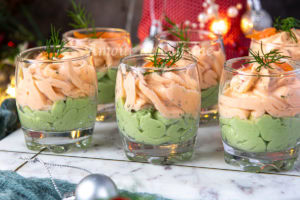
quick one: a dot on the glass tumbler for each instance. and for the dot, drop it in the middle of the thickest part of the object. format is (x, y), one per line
(208, 49)
(108, 46)
(157, 109)
(56, 98)
(259, 114)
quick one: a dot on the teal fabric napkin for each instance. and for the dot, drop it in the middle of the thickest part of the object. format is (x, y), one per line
(16, 187)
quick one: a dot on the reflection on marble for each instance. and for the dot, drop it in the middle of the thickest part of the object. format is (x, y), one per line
(175, 182)
(11, 160)
(107, 145)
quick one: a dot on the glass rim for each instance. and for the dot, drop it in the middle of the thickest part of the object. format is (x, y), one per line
(276, 44)
(20, 57)
(218, 37)
(107, 29)
(228, 64)
(145, 55)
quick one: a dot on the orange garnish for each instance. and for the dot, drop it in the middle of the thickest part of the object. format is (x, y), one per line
(285, 66)
(257, 35)
(148, 64)
(98, 35)
(247, 68)
(112, 34)
(151, 64)
(45, 54)
(82, 35)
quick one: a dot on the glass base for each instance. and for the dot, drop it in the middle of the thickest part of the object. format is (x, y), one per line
(209, 116)
(159, 154)
(106, 113)
(261, 162)
(58, 142)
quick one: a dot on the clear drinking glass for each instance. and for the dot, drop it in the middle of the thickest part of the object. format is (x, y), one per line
(56, 98)
(208, 49)
(108, 46)
(259, 114)
(157, 109)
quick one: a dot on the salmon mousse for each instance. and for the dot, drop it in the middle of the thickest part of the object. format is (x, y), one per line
(108, 46)
(158, 101)
(283, 36)
(56, 93)
(207, 48)
(211, 59)
(259, 108)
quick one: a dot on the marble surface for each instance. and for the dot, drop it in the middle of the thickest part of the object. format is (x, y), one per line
(206, 177)
(12, 160)
(175, 182)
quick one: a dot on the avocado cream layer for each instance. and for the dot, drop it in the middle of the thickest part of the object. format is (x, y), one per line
(106, 86)
(148, 126)
(263, 134)
(65, 115)
(209, 97)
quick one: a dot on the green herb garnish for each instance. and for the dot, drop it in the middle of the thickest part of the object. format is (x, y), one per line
(54, 46)
(170, 58)
(81, 18)
(286, 25)
(166, 59)
(264, 60)
(179, 32)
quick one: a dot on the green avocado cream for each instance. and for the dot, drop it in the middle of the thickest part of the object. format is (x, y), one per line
(65, 115)
(106, 86)
(263, 134)
(148, 126)
(209, 97)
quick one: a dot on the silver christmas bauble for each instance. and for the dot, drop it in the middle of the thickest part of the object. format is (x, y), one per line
(255, 19)
(261, 19)
(96, 186)
(232, 12)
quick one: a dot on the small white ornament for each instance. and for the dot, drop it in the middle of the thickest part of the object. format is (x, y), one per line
(239, 6)
(204, 5)
(216, 7)
(232, 12)
(202, 17)
(201, 25)
(187, 23)
(194, 25)
(210, 11)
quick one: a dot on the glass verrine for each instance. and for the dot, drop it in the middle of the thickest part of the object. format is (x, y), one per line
(281, 41)
(208, 49)
(56, 98)
(108, 46)
(259, 114)
(157, 109)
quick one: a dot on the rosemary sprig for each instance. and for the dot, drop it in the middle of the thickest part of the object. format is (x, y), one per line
(286, 25)
(54, 46)
(264, 60)
(81, 18)
(179, 32)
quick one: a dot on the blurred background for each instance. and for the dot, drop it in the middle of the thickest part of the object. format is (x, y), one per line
(26, 23)
(36, 15)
